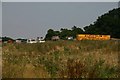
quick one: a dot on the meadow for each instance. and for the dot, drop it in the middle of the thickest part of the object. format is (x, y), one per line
(61, 59)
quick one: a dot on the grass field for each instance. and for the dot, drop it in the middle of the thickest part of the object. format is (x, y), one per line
(61, 59)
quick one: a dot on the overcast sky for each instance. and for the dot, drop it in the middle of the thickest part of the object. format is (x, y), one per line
(31, 19)
(0, 19)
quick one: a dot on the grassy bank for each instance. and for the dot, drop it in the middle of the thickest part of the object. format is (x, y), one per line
(61, 59)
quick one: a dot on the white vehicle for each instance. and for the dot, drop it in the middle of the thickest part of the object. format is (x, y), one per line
(31, 41)
(35, 41)
(41, 41)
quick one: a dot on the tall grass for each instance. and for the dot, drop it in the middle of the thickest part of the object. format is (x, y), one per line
(61, 59)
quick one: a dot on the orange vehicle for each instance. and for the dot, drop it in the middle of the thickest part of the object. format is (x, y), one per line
(92, 37)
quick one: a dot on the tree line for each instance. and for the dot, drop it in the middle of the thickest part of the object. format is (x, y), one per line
(106, 24)
(63, 33)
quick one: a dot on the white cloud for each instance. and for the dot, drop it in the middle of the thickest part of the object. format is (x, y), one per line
(60, 0)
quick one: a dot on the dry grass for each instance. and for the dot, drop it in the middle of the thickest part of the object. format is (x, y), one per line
(0, 61)
(61, 59)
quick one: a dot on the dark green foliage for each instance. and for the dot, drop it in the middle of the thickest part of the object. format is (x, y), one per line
(49, 34)
(108, 24)
(64, 33)
(76, 30)
(6, 38)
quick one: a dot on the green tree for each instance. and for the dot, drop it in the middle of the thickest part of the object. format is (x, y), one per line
(6, 38)
(76, 30)
(65, 33)
(51, 33)
(109, 23)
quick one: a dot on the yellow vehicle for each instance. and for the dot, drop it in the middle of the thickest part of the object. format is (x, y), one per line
(92, 37)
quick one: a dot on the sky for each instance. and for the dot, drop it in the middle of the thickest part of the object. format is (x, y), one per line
(33, 19)
(0, 19)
